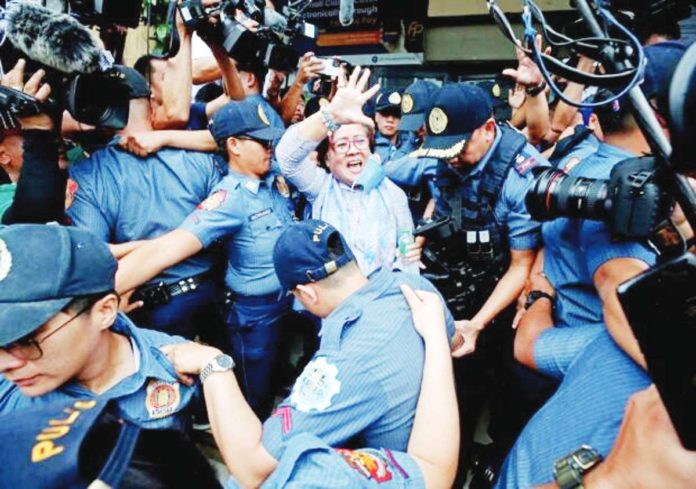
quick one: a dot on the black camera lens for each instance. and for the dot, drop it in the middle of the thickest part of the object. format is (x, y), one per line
(556, 194)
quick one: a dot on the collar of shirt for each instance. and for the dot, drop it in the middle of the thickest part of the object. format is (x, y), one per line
(153, 364)
(350, 310)
(249, 183)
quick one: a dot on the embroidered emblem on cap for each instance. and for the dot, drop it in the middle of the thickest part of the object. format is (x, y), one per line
(323, 102)
(316, 386)
(262, 115)
(5, 260)
(406, 103)
(368, 462)
(496, 90)
(437, 120)
(394, 98)
(213, 201)
(162, 398)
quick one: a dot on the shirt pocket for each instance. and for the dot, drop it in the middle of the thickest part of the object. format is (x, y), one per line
(263, 222)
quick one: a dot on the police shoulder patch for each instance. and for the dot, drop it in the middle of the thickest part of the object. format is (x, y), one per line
(214, 200)
(71, 188)
(316, 386)
(162, 399)
(524, 163)
(368, 462)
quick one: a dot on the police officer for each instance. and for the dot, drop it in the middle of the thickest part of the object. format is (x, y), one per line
(63, 338)
(362, 384)
(482, 252)
(415, 175)
(122, 198)
(390, 143)
(248, 210)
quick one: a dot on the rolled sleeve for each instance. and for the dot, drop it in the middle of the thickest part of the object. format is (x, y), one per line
(292, 156)
(334, 399)
(596, 241)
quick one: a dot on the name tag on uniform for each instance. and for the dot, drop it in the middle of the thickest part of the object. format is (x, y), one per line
(260, 214)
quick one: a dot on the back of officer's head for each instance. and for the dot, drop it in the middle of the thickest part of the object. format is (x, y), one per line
(56, 302)
(313, 260)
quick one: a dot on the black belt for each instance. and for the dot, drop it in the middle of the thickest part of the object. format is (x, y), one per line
(161, 293)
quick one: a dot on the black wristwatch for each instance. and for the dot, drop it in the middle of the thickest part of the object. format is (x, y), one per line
(534, 91)
(569, 470)
(535, 295)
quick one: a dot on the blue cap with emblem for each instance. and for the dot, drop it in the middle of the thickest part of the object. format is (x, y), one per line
(243, 118)
(309, 251)
(416, 102)
(458, 110)
(388, 101)
(42, 268)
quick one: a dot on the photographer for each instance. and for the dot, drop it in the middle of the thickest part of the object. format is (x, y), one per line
(592, 345)
(29, 156)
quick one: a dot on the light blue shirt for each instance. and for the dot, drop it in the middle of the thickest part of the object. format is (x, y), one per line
(369, 221)
(152, 397)
(365, 378)
(120, 197)
(309, 462)
(250, 215)
(587, 408)
(573, 251)
(405, 143)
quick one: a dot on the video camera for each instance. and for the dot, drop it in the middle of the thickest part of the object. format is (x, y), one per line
(660, 304)
(270, 45)
(80, 74)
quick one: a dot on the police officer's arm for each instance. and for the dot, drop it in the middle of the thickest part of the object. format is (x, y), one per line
(236, 428)
(145, 143)
(535, 320)
(647, 451)
(174, 111)
(154, 256)
(434, 441)
(607, 278)
(506, 291)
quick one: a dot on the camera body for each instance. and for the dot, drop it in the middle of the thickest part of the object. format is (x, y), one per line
(632, 201)
(270, 46)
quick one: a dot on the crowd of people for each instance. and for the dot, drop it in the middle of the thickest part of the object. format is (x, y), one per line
(334, 278)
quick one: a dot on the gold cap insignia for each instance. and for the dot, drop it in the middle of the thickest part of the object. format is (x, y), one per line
(394, 98)
(262, 115)
(437, 120)
(496, 90)
(323, 101)
(406, 103)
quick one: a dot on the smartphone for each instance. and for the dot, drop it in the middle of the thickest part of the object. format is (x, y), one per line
(332, 67)
(660, 305)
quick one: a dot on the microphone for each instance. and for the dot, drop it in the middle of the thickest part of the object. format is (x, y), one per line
(346, 10)
(52, 39)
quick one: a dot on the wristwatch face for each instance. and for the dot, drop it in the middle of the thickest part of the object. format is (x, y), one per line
(224, 362)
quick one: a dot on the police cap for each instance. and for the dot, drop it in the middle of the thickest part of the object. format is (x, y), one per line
(42, 268)
(306, 252)
(458, 110)
(416, 103)
(243, 118)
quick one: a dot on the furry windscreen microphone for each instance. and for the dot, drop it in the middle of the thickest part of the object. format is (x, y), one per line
(53, 39)
(346, 10)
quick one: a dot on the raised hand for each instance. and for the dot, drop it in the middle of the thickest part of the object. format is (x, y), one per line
(351, 95)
